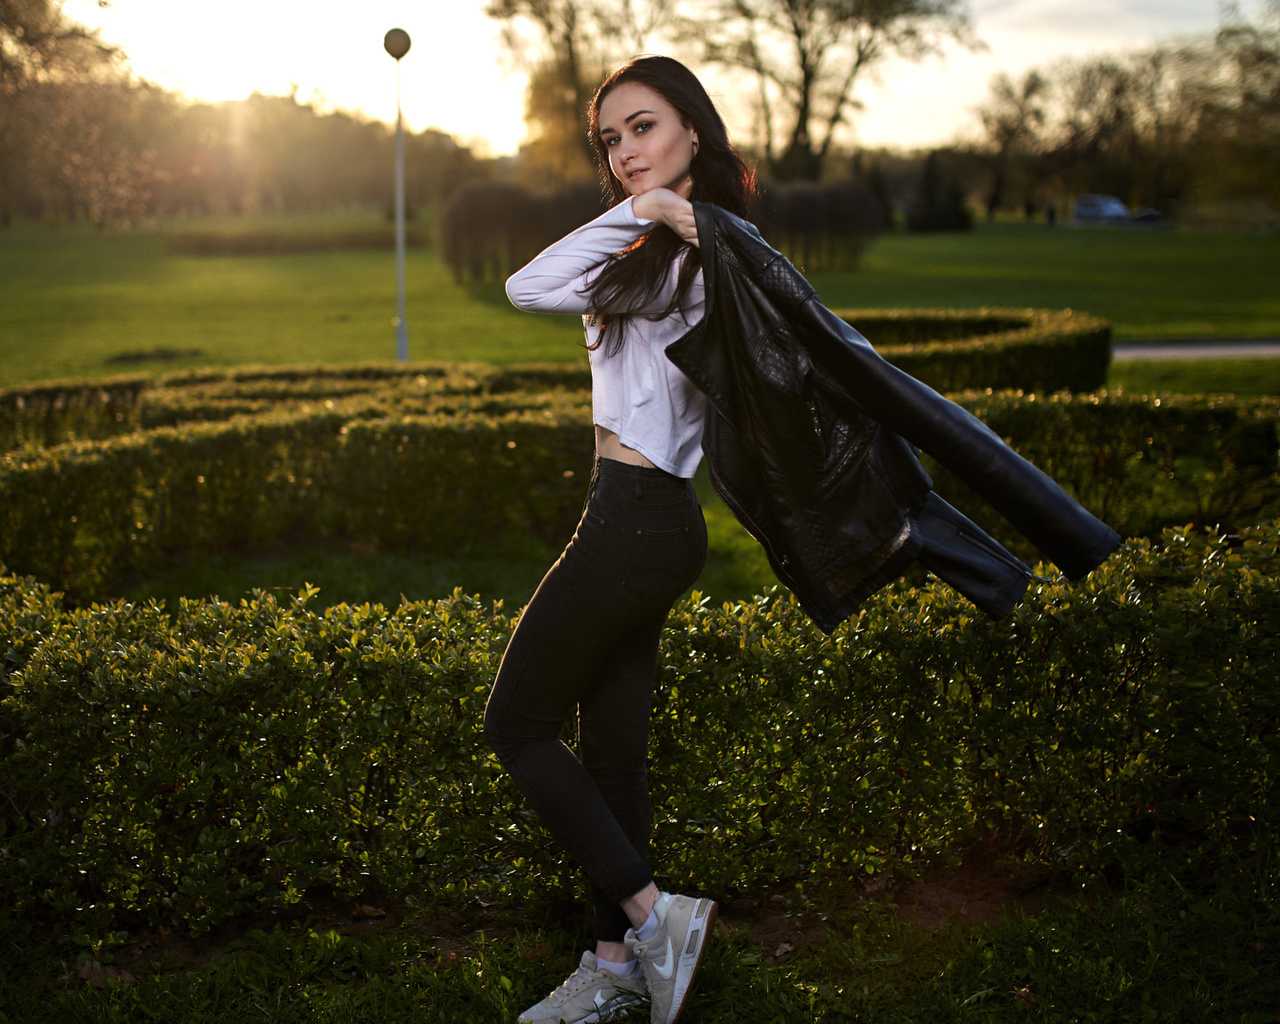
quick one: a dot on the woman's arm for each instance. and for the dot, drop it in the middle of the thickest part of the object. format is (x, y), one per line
(558, 279)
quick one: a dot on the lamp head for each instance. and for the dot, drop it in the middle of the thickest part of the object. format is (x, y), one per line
(396, 42)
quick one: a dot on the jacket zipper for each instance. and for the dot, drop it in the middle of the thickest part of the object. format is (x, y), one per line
(1000, 554)
(735, 505)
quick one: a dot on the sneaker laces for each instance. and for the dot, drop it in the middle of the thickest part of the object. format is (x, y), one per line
(581, 978)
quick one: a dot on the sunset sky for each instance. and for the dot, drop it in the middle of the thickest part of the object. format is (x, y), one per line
(458, 78)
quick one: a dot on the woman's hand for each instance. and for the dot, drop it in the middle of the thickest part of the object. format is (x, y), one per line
(670, 208)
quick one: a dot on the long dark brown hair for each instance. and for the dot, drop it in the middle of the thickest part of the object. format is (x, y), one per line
(632, 277)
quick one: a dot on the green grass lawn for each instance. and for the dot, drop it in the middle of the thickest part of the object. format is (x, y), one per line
(1149, 284)
(75, 303)
(1237, 376)
(81, 305)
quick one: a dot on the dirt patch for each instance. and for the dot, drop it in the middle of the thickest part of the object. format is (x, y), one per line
(780, 932)
(975, 892)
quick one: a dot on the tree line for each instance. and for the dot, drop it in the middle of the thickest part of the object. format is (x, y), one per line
(490, 229)
(791, 65)
(1175, 126)
(83, 139)
(1187, 123)
(1193, 121)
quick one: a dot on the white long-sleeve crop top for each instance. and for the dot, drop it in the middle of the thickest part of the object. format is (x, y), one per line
(638, 393)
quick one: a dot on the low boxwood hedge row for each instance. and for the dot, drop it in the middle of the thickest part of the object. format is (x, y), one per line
(52, 414)
(963, 350)
(1035, 350)
(442, 470)
(1140, 463)
(187, 766)
(84, 516)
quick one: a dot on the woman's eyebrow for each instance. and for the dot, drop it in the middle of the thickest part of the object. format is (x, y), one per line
(626, 120)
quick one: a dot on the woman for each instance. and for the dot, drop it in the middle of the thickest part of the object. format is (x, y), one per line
(588, 641)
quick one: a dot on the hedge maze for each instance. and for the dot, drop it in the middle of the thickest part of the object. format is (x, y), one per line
(185, 765)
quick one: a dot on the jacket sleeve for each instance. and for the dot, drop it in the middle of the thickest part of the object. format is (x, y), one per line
(1033, 503)
(1028, 498)
(558, 279)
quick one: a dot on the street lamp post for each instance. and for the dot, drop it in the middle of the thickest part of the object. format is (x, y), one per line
(396, 43)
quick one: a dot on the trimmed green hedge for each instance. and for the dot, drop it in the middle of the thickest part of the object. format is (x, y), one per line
(1032, 350)
(85, 515)
(49, 414)
(1141, 464)
(1000, 349)
(190, 766)
(60, 412)
(432, 469)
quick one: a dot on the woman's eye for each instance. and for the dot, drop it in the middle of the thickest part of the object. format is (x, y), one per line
(643, 126)
(612, 140)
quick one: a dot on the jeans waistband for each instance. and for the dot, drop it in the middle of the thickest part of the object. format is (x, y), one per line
(625, 472)
(629, 479)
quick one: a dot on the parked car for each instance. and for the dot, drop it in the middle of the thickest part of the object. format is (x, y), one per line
(1094, 209)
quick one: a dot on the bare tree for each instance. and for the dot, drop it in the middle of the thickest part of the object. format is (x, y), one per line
(573, 43)
(1197, 121)
(807, 56)
(1240, 87)
(556, 148)
(39, 47)
(1013, 119)
(38, 42)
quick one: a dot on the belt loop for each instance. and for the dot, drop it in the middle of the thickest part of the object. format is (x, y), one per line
(639, 484)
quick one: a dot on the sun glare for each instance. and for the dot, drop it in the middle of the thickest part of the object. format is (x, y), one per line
(455, 77)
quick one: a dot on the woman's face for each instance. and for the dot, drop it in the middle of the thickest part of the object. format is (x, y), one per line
(648, 143)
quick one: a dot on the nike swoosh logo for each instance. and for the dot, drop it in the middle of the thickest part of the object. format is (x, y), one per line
(667, 965)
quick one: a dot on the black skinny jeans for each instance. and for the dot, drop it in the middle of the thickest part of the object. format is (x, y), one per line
(588, 641)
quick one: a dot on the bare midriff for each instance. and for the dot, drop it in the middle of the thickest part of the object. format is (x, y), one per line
(609, 446)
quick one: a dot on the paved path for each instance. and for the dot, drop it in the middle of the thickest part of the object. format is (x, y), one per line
(1197, 348)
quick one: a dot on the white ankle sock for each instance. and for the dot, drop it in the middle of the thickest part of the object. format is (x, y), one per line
(624, 970)
(649, 929)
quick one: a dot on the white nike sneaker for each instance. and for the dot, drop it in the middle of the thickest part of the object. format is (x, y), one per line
(589, 994)
(670, 958)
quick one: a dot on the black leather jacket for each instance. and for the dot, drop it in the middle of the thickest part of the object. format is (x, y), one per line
(811, 440)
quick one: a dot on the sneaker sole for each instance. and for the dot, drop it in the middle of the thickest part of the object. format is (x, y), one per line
(610, 1011)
